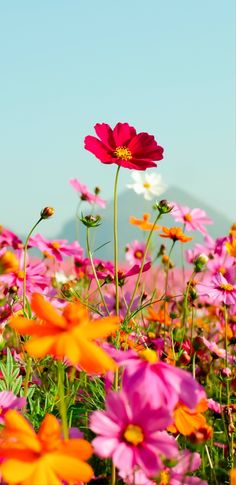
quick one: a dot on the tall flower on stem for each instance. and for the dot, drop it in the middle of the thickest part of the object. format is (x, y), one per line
(124, 146)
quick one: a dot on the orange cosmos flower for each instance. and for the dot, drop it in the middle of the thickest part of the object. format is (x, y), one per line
(161, 316)
(43, 458)
(8, 263)
(233, 476)
(187, 421)
(231, 246)
(176, 234)
(68, 335)
(144, 223)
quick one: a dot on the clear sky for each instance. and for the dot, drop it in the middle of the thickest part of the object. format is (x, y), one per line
(165, 66)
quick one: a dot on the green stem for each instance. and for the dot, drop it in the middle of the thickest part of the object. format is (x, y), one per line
(116, 241)
(27, 375)
(61, 391)
(94, 270)
(168, 267)
(226, 354)
(143, 263)
(24, 261)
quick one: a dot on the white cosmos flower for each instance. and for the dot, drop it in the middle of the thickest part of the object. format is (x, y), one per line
(148, 184)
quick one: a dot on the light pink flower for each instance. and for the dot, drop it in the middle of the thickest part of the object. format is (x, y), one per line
(8, 400)
(135, 251)
(131, 433)
(218, 289)
(85, 194)
(194, 219)
(56, 249)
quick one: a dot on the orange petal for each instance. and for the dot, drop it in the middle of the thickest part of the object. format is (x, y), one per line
(24, 326)
(43, 474)
(100, 328)
(187, 423)
(77, 447)
(50, 430)
(67, 346)
(94, 359)
(39, 347)
(46, 311)
(16, 425)
(16, 471)
(69, 468)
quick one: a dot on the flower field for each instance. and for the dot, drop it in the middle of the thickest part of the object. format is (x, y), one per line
(119, 372)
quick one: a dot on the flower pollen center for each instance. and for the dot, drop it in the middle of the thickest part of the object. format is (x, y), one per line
(138, 254)
(164, 478)
(149, 355)
(226, 287)
(134, 434)
(56, 245)
(146, 185)
(123, 153)
(188, 217)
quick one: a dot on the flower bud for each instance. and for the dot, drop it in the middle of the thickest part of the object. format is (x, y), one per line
(47, 212)
(91, 221)
(97, 190)
(164, 206)
(200, 262)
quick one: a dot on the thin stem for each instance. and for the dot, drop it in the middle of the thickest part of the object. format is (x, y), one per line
(61, 391)
(143, 262)
(226, 354)
(24, 261)
(116, 241)
(27, 375)
(94, 270)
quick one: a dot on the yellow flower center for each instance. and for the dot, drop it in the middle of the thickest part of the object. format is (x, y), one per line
(222, 270)
(56, 245)
(149, 355)
(226, 287)
(188, 217)
(20, 275)
(146, 185)
(134, 434)
(123, 153)
(138, 254)
(164, 478)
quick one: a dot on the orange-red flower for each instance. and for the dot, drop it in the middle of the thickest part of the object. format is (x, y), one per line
(8, 263)
(176, 234)
(144, 223)
(68, 335)
(44, 458)
(187, 421)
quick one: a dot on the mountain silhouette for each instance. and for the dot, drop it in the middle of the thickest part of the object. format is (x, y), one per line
(129, 203)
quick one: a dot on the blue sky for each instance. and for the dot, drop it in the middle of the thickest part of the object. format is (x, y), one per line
(166, 67)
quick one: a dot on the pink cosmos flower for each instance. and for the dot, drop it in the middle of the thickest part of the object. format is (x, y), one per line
(55, 249)
(218, 289)
(9, 238)
(131, 433)
(215, 349)
(223, 264)
(124, 147)
(194, 219)
(135, 251)
(8, 400)
(36, 277)
(161, 383)
(85, 194)
(177, 475)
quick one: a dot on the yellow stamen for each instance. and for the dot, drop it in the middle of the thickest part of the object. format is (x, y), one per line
(149, 355)
(146, 185)
(56, 245)
(226, 287)
(164, 478)
(20, 275)
(133, 434)
(123, 153)
(188, 217)
(138, 254)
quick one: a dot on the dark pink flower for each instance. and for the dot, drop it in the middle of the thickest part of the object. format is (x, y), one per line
(218, 289)
(124, 147)
(8, 238)
(132, 433)
(8, 400)
(85, 194)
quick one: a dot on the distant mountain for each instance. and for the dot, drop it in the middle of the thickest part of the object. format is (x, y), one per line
(129, 203)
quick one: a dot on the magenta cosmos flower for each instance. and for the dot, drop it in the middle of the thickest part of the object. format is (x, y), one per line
(218, 289)
(131, 433)
(85, 194)
(194, 219)
(8, 400)
(124, 147)
(161, 382)
(55, 249)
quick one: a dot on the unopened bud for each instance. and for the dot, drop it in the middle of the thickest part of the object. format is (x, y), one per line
(200, 262)
(97, 190)
(91, 221)
(164, 206)
(47, 212)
